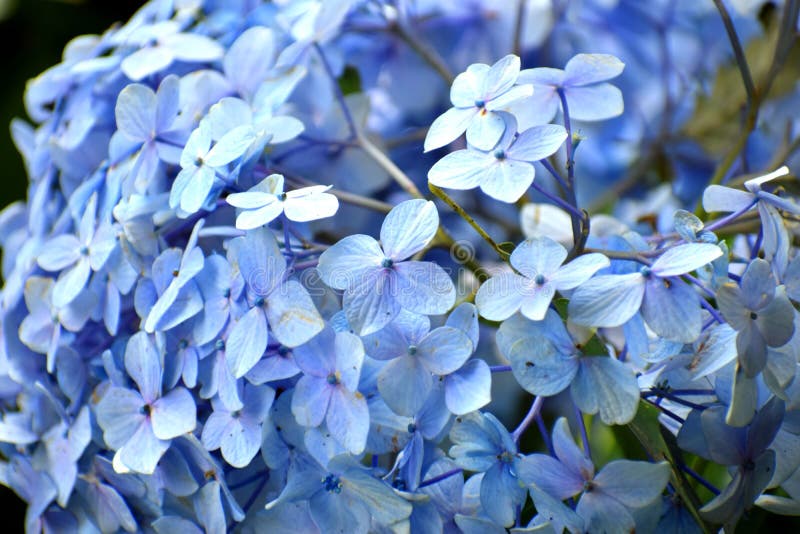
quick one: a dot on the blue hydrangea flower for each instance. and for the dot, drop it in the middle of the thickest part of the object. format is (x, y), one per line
(77, 256)
(238, 433)
(776, 238)
(345, 497)
(762, 316)
(178, 297)
(669, 305)
(477, 94)
(608, 497)
(267, 200)
(139, 423)
(377, 282)
(504, 173)
(545, 361)
(582, 81)
(482, 444)
(328, 389)
(146, 122)
(161, 44)
(275, 301)
(745, 449)
(414, 357)
(541, 274)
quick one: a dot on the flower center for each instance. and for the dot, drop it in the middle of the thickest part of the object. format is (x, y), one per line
(646, 271)
(500, 154)
(753, 316)
(412, 350)
(333, 379)
(387, 263)
(332, 484)
(480, 103)
(540, 280)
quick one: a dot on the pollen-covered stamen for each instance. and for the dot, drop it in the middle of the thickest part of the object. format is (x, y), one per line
(332, 484)
(506, 457)
(145, 410)
(333, 379)
(588, 486)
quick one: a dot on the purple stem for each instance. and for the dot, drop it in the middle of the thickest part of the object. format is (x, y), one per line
(439, 478)
(729, 218)
(536, 407)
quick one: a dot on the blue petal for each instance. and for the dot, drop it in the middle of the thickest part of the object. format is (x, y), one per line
(372, 304)
(671, 309)
(248, 60)
(405, 384)
(174, 414)
(310, 400)
(718, 198)
(595, 103)
(501, 296)
(136, 112)
(348, 420)
(550, 475)
(444, 350)
(584, 69)
(144, 366)
(540, 369)
(607, 300)
(501, 493)
(59, 252)
(538, 142)
(685, 258)
(246, 342)
(423, 287)
(292, 315)
(634, 484)
(462, 169)
(507, 180)
(469, 388)
(344, 264)
(607, 386)
(408, 228)
(448, 126)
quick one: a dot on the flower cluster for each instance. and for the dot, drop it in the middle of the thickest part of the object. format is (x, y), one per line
(228, 302)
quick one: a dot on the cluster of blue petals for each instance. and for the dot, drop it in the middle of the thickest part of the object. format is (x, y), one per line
(230, 302)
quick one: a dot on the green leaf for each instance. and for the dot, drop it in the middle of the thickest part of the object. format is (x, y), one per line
(350, 81)
(661, 446)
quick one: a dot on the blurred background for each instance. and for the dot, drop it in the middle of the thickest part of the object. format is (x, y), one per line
(33, 34)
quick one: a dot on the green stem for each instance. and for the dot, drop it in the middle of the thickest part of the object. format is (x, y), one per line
(466, 216)
(647, 429)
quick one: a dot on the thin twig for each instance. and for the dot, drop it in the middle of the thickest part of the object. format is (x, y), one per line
(466, 216)
(738, 51)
